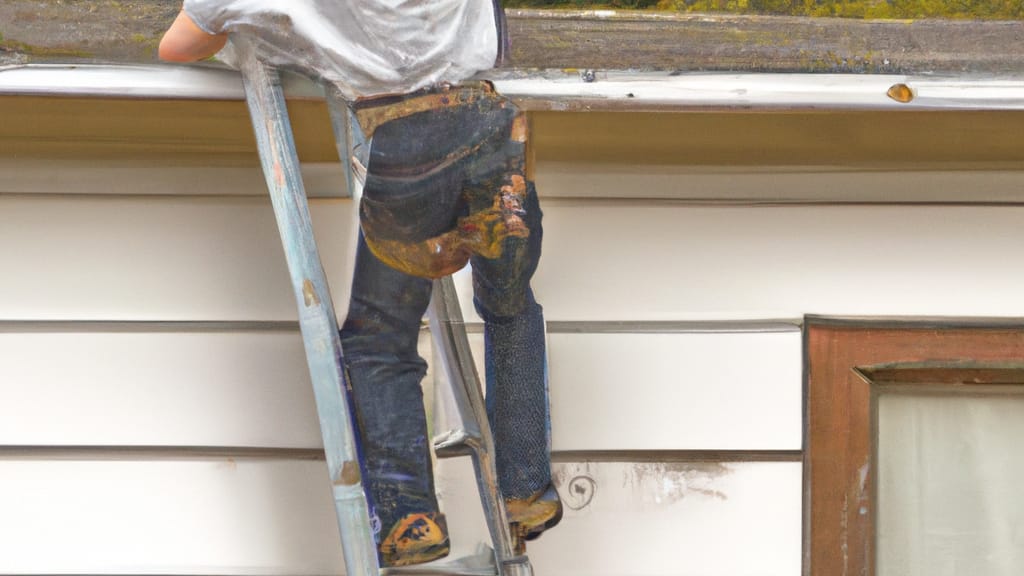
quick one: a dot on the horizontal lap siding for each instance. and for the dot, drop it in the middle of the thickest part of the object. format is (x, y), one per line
(678, 391)
(747, 263)
(641, 261)
(160, 176)
(239, 516)
(672, 391)
(774, 184)
(83, 258)
(203, 388)
(203, 247)
(162, 258)
(246, 387)
(225, 516)
(656, 518)
(706, 519)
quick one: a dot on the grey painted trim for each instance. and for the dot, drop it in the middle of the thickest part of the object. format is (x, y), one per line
(754, 203)
(256, 453)
(117, 326)
(313, 454)
(677, 456)
(662, 327)
(555, 327)
(672, 327)
(156, 453)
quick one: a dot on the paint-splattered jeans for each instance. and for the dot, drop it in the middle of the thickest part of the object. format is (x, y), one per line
(443, 186)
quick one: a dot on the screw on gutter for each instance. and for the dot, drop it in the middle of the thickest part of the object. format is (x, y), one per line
(588, 76)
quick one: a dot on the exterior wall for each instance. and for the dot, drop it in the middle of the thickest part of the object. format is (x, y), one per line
(156, 413)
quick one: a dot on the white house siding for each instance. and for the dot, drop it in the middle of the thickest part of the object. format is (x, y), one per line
(156, 417)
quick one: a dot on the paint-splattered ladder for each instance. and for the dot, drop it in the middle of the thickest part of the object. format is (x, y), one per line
(319, 328)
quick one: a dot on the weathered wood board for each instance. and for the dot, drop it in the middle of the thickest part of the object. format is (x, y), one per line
(128, 31)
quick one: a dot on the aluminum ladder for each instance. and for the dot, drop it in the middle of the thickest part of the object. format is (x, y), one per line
(319, 327)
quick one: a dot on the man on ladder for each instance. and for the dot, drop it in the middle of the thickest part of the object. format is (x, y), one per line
(446, 184)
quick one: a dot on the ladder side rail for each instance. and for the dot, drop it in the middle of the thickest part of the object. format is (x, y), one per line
(317, 320)
(449, 332)
(352, 145)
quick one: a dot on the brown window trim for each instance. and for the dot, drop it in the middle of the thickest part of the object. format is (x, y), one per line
(846, 362)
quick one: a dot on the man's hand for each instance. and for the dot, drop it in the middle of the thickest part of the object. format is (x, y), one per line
(186, 42)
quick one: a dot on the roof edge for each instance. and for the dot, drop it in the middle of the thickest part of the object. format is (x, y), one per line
(562, 90)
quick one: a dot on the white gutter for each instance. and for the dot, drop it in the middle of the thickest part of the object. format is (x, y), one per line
(135, 81)
(559, 90)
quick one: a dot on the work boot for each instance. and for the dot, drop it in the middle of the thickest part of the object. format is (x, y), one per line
(530, 517)
(415, 539)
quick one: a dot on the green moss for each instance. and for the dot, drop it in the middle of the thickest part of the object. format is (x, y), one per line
(42, 51)
(149, 44)
(630, 4)
(875, 9)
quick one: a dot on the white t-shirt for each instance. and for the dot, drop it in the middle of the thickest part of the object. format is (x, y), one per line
(365, 47)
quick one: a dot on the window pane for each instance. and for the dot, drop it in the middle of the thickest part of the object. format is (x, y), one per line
(949, 484)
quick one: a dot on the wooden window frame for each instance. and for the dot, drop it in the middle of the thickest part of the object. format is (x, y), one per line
(848, 362)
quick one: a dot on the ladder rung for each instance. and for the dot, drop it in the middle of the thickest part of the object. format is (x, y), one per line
(480, 564)
(456, 443)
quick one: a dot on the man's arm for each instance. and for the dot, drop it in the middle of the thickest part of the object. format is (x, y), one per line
(186, 42)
